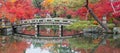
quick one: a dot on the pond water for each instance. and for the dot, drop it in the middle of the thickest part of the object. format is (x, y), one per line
(76, 44)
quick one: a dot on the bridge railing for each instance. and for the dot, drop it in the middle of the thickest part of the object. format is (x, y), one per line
(45, 21)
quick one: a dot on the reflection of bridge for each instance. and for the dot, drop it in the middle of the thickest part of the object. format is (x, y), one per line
(43, 22)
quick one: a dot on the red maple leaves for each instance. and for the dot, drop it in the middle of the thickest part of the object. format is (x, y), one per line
(18, 10)
(105, 8)
(82, 12)
(116, 9)
(101, 8)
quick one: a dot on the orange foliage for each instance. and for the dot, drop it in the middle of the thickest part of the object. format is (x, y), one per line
(95, 22)
(13, 1)
(47, 3)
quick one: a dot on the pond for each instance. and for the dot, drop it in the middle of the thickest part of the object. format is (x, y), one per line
(84, 43)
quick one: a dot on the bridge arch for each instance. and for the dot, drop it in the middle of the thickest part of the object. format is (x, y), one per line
(36, 23)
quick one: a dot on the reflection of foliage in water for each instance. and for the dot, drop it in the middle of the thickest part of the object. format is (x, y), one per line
(115, 43)
(30, 27)
(85, 43)
(37, 44)
(11, 45)
(54, 47)
(61, 49)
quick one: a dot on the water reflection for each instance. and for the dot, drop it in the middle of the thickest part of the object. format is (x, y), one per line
(84, 44)
(10, 45)
(50, 46)
(33, 49)
(28, 45)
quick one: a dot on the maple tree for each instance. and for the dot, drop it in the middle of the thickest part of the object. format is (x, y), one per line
(116, 9)
(100, 8)
(106, 8)
(18, 9)
(82, 13)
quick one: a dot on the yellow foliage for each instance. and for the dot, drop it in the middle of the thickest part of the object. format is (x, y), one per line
(47, 3)
(13, 1)
(50, 1)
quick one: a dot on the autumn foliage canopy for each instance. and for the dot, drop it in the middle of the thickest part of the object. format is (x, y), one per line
(106, 8)
(17, 9)
(23, 9)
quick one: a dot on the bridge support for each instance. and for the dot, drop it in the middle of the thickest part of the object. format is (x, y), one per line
(60, 30)
(14, 30)
(36, 31)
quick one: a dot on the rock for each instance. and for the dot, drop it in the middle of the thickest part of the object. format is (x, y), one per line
(116, 29)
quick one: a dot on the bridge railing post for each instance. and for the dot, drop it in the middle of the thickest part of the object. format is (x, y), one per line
(36, 33)
(59, 30)
(38, 30)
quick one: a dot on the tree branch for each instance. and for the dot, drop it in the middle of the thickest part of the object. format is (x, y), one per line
(95, 17)
(103, 26)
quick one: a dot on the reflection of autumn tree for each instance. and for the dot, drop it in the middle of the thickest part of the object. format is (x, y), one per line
(17, 47)
(14, 47)
(48, 45)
